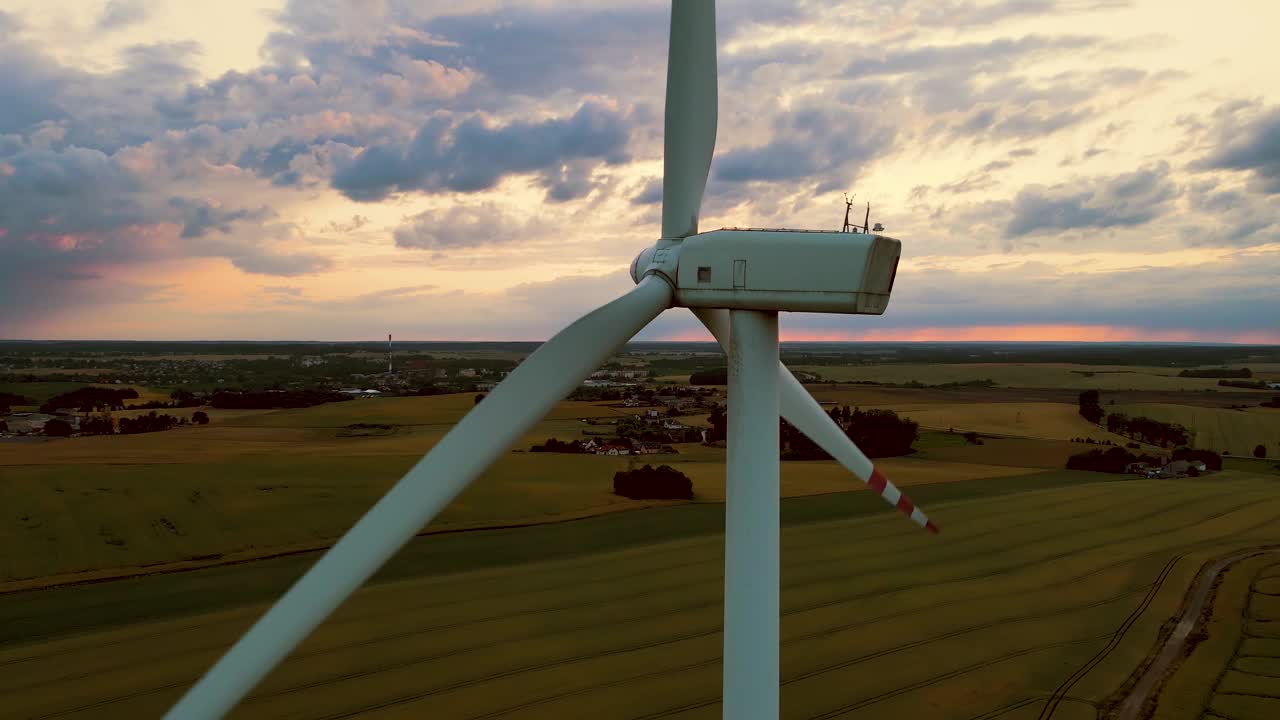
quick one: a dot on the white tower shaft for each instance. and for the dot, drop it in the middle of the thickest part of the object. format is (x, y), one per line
(752, 533)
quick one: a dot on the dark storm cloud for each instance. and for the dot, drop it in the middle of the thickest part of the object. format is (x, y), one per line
(121, 13)
(474, 155)
(1255, 149)
(1122, 200)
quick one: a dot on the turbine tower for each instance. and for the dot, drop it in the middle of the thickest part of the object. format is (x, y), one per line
(736, 282)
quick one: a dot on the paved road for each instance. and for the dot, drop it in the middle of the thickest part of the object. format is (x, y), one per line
(1131, 707)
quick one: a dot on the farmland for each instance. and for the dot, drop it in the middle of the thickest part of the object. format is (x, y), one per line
(1046, 590)
(1028, 587)
(1236, 431)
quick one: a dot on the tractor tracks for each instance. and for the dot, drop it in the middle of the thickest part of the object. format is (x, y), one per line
(1007, 569)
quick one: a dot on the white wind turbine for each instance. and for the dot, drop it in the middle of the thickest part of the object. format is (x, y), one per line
(736, 282)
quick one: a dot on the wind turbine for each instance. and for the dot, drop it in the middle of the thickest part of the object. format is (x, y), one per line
(805, 271)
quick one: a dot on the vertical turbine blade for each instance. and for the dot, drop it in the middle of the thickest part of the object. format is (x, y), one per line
(800, 409)
(689, 133)
(532, 389)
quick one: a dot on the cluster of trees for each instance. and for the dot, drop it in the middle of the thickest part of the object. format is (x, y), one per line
(710, 376)
(649, 483)
(90, 399)
(270, 399)
(1216, 373)
(1147, 430)
(1114, 459)
(1111, 460)
(1272, 403)
(1211, 459)
(1260, 451)
(1250, 384)
(151, 422)
(8, 400)
(632, 428)
(553, 445)
(879, 433)
(1091, 406)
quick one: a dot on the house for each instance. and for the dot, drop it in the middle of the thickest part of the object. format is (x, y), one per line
(590, 445)
(651, 413)
(631, 402)
(1273, 385)
(467, 372)
(1177, 468)
(1138, 468)
(670, 424)
(486, 386)
(613, 449)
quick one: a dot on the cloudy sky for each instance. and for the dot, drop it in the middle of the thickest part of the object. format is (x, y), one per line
(340, 169)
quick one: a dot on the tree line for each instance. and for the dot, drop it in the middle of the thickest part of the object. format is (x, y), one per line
(1141, 428)
(90, 399)
(1216, 373)
(878, 433)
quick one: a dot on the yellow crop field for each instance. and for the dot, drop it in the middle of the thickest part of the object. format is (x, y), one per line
(1025, 375)
(1026, 598)
(1217, 429)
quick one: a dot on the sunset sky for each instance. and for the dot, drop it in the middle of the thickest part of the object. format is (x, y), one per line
(337, 170)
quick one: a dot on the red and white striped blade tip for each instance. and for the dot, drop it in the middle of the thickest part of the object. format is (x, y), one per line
(894, 497)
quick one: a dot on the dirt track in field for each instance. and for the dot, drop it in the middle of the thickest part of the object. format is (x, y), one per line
(1193, 614)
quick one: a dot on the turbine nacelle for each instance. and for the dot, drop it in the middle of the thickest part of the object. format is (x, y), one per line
(777, 270)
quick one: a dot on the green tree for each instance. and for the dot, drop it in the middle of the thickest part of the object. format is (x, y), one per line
(57, 428)
(1260, 451)
(200, 417)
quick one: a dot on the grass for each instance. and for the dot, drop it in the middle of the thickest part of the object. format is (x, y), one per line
(1217, 429)
(620, 616)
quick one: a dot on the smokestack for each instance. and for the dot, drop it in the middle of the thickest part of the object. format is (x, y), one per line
(388, 353)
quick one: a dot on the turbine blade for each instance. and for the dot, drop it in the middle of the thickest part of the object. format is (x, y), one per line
(689, 132)
(532, 389)
(800, 409)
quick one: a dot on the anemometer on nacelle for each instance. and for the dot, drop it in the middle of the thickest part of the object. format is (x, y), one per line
(779, 270)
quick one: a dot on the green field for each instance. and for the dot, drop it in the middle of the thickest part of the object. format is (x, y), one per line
(620, 616)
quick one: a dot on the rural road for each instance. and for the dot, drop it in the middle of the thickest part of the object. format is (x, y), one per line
(1131, 707)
